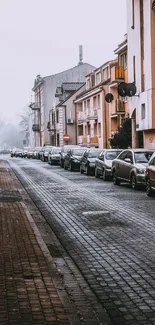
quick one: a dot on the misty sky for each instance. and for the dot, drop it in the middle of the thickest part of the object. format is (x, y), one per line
(42, 37)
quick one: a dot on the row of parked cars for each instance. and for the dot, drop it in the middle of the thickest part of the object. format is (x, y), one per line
(134, 166)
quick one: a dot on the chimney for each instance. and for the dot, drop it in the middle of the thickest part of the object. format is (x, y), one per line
(80, 54)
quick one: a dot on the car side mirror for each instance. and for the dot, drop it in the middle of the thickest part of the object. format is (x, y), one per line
(128, 160)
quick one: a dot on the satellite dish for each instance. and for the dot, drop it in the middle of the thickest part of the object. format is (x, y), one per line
(131, 90)
(122, 89)
(109, 97)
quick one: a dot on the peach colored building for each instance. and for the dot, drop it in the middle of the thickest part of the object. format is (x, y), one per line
(119, 106)
(93, 113)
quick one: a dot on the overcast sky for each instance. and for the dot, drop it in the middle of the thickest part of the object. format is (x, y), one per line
(42, 37)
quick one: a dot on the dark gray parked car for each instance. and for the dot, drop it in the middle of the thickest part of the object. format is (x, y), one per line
(73, 158)
(63, 153)
(103, 163)
(87, 163)
(130, 166)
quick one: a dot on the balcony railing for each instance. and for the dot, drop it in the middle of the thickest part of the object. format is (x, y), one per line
(117, 74)
(36, 128)
(92, 114)
(94, 141)
(35, 106)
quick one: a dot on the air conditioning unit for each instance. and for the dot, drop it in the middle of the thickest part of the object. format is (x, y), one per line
(119, 106)
(70, 121)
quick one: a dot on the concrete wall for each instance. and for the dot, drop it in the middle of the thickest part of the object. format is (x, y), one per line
(134, 49)
(77, 73)
(70, 113)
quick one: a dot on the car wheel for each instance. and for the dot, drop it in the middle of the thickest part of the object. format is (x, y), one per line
(96, 173)
(133, 182)
(81, 170)
(148, 188)
(104, 175)
(116, 181)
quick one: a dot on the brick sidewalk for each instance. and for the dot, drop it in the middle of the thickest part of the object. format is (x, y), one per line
(27, 292)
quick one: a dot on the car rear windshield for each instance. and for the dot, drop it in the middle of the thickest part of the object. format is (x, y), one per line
(48, 149)
(94, 153)
(78, 152)
(110, 155)
(142, 157)
(56, 150)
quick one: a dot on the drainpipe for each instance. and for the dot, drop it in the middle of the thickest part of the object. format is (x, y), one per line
(40, 116)
(104, 120)
(65, 109)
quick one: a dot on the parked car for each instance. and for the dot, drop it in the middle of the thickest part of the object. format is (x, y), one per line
(150, 176)
(130, 166)
(36, 152)
(24, 153)
(73, 158)
(44, 153)
(54, 156)
(63, 153)
(13, 152)
(87, 163)
(103, 162)
(30, 153)
(18, 153)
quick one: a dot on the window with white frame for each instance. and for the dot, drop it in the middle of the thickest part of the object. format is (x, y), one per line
(88, 83)
(98, 78)
(143, 111)
(124, 60)
(105, 74)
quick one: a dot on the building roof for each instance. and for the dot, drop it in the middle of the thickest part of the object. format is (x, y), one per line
(71, 86)
(62, 102)
(65, 75)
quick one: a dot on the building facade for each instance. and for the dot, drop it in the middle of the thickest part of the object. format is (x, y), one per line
(92, 111)
(119, 73)
(44, 93)
(141, 70)
(62, 119)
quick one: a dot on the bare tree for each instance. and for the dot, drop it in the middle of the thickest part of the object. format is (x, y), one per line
(24, 120)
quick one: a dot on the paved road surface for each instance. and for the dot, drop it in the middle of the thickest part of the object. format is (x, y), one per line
(108, 231)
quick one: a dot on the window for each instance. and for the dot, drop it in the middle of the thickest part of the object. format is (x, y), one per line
(105, 74)
(142, 157)
(152, 162)
(124, 60)
(143, 111)
(98, 101)
(93, 80)
(99, 129)
(53, 118)
(57, 116)
(133, 15)
(129, 155)
(98, 78)
(122, 156)
(88, 83)
(94, 102)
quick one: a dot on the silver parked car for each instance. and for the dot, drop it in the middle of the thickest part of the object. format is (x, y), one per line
(54, 156)
(130, 166)
(103, 162)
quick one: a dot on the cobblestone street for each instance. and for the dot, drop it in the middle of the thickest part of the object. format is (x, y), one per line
(102, 240)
